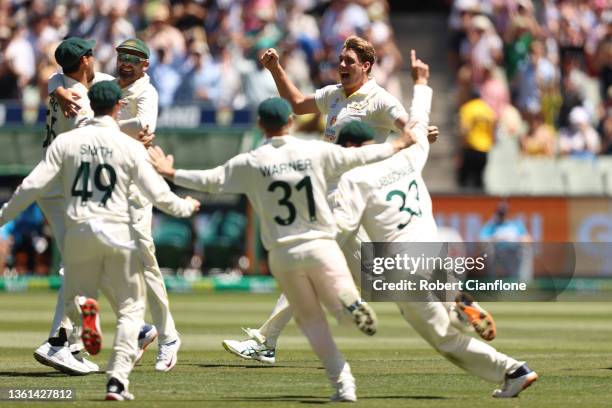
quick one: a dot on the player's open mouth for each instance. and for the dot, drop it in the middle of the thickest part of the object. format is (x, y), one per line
(344, 75)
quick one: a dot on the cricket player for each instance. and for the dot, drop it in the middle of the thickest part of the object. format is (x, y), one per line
(96, 165)
(380, 109)
(356, 97)
(369, 197)
(285, 181)
(75, 56)
(138, 118)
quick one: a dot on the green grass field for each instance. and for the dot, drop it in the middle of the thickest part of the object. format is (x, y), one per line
(569, 344)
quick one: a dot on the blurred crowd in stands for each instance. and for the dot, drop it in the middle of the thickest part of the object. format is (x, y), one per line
(536, 72)
(202, 50)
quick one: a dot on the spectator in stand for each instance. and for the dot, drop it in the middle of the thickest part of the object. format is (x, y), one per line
(580, 139)
(41, 35)
(20, 58)
(460, 19)
(83, 19)
(477, 123)
(485, 47)
(388, 58)
(112, 29)
(342, 19)
(9, 87)
(534, 75)
(257, 82)
(304, 30)
(164, 77)
(517, 39)
(541, 139)
(161, 35)
(494, 89)
(201, 77)
(606, 133)
(482, 50)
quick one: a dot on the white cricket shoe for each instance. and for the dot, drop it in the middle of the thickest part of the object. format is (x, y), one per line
(516, 382)
(146, 336)
(60, 358)
(363, 315)
(346, 390)
(167, 355)
(255, 348)
(81, 356)
(116, 391)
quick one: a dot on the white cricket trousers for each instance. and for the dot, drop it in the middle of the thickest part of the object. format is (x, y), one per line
(311, 274)
(429, 319)
(157, 296)
(90, 266)
(53, 206)
(55, 212)
(281, 314)
(432, 322)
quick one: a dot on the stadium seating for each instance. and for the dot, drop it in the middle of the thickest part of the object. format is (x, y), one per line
(507, 174)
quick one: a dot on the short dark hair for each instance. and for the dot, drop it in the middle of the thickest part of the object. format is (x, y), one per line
(102, 111)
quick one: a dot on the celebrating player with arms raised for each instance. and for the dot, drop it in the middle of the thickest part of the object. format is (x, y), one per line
(286, 182)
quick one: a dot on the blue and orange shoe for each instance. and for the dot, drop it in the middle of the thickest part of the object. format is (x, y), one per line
(470, 311)
(516, 382)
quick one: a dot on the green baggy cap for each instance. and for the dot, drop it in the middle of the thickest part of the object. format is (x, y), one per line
(134, 44)
(71, 50)
(356, 132)
(104, 94)
(274, 113)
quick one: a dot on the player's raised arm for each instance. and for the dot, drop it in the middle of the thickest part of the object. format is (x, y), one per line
(221, 179)
(299, 103)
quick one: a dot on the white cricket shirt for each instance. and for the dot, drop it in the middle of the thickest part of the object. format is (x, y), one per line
(140, 109)
(285, 181)
(56, 121)
(390, 198)
(371, 103)
(95, 165)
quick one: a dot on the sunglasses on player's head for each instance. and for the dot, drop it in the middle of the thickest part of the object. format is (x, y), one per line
(129, 58)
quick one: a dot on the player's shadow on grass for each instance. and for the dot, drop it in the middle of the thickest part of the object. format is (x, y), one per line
(238, 365)
(309, 399)
(30, 374)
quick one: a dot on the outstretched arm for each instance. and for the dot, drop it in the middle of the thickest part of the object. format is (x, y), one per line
(221, 179)
(299, 103)
(158, 191)
(36, 183)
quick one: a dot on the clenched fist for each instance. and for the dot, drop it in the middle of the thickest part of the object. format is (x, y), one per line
(270, 59)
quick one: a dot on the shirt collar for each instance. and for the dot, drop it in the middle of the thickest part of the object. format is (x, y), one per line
(105, 121)
(71, 82)
(365, 88)
(279, 140)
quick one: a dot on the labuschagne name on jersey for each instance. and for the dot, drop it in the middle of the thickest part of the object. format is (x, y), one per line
(395, 175)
